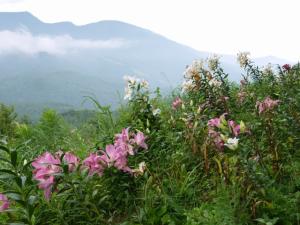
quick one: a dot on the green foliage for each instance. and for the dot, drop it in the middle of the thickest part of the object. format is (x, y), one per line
(17, 184)
(7, 120)
(77, 118)
(221, 210)
(192, 174)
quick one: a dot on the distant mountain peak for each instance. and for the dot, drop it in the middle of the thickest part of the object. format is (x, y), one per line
(21, 14)
(15, 20)
(17, 13)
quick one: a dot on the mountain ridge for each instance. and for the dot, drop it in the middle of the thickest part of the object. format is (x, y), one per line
(90, 60)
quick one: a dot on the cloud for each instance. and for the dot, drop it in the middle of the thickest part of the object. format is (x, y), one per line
(24, 42)
(10, 1)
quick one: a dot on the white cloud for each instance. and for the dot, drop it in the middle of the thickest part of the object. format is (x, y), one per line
(263, 27)
(24, 42)
(10, 1)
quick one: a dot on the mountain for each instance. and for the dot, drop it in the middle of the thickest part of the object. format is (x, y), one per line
(55, 65)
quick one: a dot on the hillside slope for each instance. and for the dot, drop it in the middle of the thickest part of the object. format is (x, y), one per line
(56, 64)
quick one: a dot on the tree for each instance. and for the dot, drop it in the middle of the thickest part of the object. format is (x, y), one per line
(7, 120)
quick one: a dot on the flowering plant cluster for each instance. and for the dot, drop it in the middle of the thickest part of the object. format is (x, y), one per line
(260, 73)
(47, 166)
(145, 112)
(116, 155)
(286, 67)
(134, 85)
(198, 75)
(242, 93)
(225, 133)
(194, 143)
(266, 105)
(206, 80)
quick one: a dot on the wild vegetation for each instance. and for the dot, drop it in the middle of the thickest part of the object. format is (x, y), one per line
(213, 152)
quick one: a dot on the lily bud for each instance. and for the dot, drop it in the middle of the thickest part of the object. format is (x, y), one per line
(242, 127)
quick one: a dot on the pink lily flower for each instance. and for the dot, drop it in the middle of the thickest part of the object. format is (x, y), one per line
(44, 160)
(50, 170)
(4, 203)
(216, 136)
(139, 139)
(124, 142)
(271, 103)
(95, 164)
(176, 103)
(219, 143)
(123, 136)
(212, 133)
(72, 161)
(234, 128)
(216, 122)
(266, 105)
(116, 157)
(124, 147)
(46, 184)
(46, 166)
(111, 155)
(121, 164)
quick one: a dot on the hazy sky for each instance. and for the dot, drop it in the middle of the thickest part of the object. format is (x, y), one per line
(263, 27)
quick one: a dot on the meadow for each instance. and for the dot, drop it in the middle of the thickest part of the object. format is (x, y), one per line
(211, 152)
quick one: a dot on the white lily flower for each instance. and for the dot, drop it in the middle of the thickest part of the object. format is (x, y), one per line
(214, 82)
(156, 112)
(243, 58)
(144, 84)
(187, 85)
(128, 93)
(232, 143)
(130, 79)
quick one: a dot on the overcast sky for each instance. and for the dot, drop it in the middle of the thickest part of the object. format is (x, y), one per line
(263, 27)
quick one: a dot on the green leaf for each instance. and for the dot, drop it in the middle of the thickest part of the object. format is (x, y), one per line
(5, 160)
(18, 181)
(7, 176)
(15, 196)
(24, 179)
(11, 192)
(219, 165)
(27, 164)
(32, 200)
(8, 171)
(17, 223)
(13, 158)
(3, 148)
